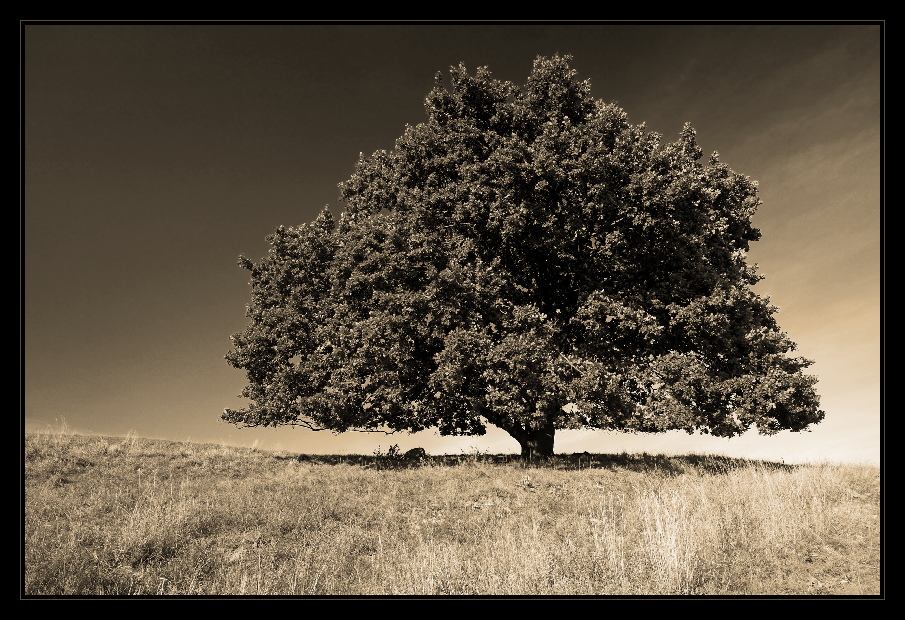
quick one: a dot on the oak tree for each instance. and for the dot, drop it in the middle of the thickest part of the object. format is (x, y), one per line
(529, 259)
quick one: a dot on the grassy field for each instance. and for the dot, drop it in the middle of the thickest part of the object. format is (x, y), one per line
(130, 516)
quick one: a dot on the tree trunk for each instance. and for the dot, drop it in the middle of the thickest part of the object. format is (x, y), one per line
(537, 441)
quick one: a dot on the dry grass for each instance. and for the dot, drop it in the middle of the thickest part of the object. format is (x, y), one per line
(130, 516)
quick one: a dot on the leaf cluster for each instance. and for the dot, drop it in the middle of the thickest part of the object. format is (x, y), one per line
(523, 257)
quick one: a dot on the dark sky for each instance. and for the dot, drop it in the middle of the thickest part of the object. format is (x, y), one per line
(155, 154)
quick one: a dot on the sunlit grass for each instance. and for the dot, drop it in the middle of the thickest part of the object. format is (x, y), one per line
(130, 516)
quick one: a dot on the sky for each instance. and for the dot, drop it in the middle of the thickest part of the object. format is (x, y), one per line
(154, 154)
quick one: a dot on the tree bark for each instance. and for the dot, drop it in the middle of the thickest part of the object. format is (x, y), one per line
(536, 441)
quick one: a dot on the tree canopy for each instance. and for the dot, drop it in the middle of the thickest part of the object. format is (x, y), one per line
(529, 259)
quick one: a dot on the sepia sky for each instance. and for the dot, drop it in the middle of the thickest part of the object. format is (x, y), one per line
(154, 154)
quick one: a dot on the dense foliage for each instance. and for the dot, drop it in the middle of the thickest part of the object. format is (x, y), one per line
(526, 258)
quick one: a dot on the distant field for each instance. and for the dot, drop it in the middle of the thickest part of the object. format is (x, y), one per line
(129, 516)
